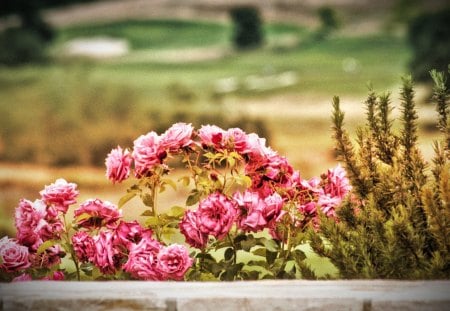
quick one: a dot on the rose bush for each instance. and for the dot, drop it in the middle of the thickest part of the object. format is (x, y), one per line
(245, 215)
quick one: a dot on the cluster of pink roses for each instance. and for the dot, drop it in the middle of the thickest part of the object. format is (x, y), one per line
(274, 182)
(101, 238)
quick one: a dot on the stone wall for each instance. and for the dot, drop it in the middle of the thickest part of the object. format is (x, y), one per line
(262, 295)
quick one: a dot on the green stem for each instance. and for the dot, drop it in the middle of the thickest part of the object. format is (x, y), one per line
(72, 252)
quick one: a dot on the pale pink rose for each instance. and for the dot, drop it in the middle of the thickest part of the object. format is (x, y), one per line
(177, 136)
(256, 147)
(147, 153)
(29, 221)
(60, 195)
(274, 204)
(83, 245)
(104, 256)
(56, 276)
(13, 256)
(24, 277)
(251, 209)
(130, 232)
(189, 227)
(212, 136)
(237, 138)
(142, 260)
(336, 182)
(216, 214)
(95, 213)
(118, 165)
(173, 261)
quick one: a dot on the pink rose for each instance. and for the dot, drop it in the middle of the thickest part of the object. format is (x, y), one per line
(173, 261)
(336, 182)
(328, 204)
(177, 136)
(29, 221)
(56, 276)
(13, 256)
(216, 215)
(237, 138)
(273, 206)
(83, 245)
(250, 211)
(212, 136)
(118, 165)
(24, 277)
(130, 232)
(147, 153)
(189, 227)
(256, 147)
(104, 256)
(142, 260)
(95, 213)
(60, 194)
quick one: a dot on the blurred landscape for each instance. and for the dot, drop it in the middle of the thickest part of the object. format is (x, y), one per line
(119, 69)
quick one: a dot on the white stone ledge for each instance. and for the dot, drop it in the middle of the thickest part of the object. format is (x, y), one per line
(361, 295)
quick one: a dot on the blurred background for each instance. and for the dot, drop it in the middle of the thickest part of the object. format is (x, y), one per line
(79, 77)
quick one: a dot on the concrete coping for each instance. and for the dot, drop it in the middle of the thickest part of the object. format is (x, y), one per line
(364, 295)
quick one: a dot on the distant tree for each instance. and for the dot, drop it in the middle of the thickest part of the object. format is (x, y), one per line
(429, 37)
(329, 22)
(247, 27)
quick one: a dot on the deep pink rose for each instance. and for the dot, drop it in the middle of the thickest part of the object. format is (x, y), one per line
(216, 215)
(24, 277)
(130, 232)
(104, 256)
(173, 261)
(177, 136)
(212, 136)
(142, 260)
(29, 221)
(60, 195)
(13, 256)
(118, 165)
(95, 213)
(56, 276)
(189, 227)
(83, 245)
(147, 153)
(308, 209)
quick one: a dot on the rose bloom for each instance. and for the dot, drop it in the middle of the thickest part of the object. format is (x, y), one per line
(238, 139)
(24, 277)
(29, 221)
(130, 232)
(250, 211)
(56, 276)
(173, 261)
(142, 260)
(189, 227)
(60, 195)
(13, 256)
(83, 245)
(177, 136)
(118, 165)
(95, 213)
(104, 255)
(336, 182)
(216, 215)
(212, 136)
(147, 153)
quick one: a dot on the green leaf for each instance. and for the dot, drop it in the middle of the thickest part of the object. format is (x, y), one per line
(127, 197)
(186, 180)
(46, 245)
(229, 254)
(151, 221)
(170, 182)
(261, 251)
(193, 198)
(176, 211)
(271, 256)
(299, 255)
(147, 212)
(269, 244)
(147, 199)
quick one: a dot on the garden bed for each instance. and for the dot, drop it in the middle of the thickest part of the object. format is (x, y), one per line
(261, 295)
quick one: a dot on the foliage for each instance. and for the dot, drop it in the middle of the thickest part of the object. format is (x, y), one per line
(245, 214)
(247, 27)
(396, 223)
(429, 37)
(328, 22)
